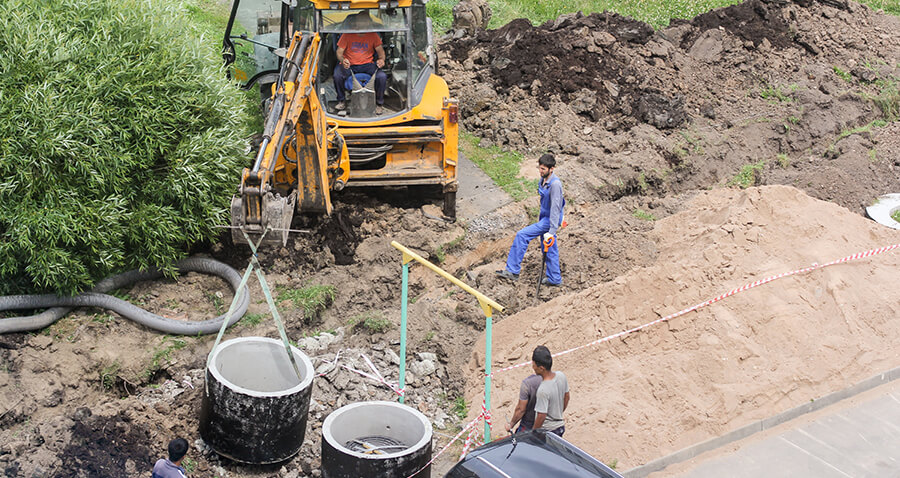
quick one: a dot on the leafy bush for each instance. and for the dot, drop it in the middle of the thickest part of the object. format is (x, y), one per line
(121, 140)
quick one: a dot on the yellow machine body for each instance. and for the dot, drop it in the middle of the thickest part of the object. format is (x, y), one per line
(310, 147)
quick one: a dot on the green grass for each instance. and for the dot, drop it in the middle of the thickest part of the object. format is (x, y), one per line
(312, 299)
(163, 354)
(773, 94)
(189, 465)
(441, 253)
(501, 166)
(888, 99)
(643, 215)
(109, 374)
(460, 409)
(896, 215)
(657, 13)
(252, 320)
(373, 322)
(747, 176)
(216, 301)
(441, 13)
(861, 129)
(783, 160)
(844, 75)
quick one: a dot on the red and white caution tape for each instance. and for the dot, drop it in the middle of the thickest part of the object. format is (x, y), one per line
(333, 364)
(375, 375)
(474, 440)
(814, 266)
(466, 428)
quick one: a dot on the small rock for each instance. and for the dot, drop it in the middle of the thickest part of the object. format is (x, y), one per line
(428, 356)
(81, 413)
(423, 368)
(221, 472)
(41, 341)
(392, 356)
(325, 339)
(603, 39)
(341, 381)
(163, 408)
(439, 419)
(324, 368)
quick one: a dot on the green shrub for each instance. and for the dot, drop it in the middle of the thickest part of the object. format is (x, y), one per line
(748, 175)
(121, 140)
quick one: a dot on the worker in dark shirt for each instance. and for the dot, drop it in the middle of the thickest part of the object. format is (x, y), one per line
(172, 468)
(525, 407)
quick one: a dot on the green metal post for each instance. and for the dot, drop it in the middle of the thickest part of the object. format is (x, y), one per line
(487, 369)
(404, 296)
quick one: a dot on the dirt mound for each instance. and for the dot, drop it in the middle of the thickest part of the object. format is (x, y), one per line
(104, 446)
(562, 57)
(753, 21)
(748, 357)
(765, 92)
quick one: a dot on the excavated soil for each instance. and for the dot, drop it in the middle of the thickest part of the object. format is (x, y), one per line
(748, 357)
(644, 124)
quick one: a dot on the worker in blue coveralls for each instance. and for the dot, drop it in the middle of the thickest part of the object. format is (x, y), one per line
(549, 220)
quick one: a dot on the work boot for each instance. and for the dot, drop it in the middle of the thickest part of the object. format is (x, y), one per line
(340, 106)
(546, 281)
(505, 274)
(379, 109)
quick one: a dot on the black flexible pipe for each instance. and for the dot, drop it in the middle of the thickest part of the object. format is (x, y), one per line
(60, 306)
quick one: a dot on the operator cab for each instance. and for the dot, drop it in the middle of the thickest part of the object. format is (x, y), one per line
(259, 33)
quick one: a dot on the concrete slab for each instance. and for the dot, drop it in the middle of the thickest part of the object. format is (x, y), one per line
(477, 195)
(854, 438)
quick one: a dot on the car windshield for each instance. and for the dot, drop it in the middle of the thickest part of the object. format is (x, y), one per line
(364, 20)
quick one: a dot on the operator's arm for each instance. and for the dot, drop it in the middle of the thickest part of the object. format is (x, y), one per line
(380, 61)
(539, 420)
(566, 401)
(341, 59)
(556, 202)
(517, 415)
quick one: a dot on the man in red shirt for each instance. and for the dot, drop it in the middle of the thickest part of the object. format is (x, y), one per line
(355, 53)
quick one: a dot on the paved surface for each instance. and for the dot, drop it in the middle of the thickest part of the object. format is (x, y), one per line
(859, 439)
(477, 195)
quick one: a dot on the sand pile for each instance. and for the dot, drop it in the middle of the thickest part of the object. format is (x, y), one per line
(748, 357)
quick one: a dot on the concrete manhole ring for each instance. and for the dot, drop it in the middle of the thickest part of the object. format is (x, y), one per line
(883, 208)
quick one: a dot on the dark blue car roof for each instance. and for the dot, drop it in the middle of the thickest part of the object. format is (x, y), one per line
(532, 453)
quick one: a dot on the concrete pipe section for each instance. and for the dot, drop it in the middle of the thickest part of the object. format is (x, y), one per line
(254, 405)
(884, 208)
(384, 439)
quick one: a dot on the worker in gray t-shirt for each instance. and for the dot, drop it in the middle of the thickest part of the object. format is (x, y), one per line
(552, 394)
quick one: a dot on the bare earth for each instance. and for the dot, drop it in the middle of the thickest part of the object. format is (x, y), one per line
(655, 133)
(748, 357)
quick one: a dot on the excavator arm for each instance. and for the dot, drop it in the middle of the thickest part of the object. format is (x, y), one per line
(301, 157)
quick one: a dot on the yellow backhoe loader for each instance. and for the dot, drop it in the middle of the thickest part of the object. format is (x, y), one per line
(313, 143)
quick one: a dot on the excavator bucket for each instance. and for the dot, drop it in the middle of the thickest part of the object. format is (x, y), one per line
(277, 212)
